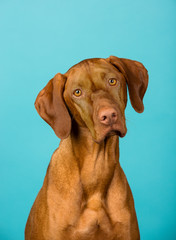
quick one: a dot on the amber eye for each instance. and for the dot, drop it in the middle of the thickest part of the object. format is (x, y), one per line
(77, 92)
(112, 82)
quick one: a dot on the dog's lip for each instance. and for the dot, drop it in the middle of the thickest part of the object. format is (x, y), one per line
(120, 132)
(111, 131)
(117, 132)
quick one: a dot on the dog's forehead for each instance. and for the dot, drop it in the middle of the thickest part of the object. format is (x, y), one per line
(90, 65)
(89, 69)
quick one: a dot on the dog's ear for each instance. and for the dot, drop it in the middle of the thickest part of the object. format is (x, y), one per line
(51, 106)
(136, 77)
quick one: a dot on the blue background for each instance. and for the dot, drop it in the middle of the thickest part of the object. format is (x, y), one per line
(39, 39)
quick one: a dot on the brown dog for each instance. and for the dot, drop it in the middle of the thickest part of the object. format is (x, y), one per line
(85, 194)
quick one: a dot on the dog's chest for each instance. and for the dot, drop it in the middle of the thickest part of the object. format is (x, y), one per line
(96, 175)
(93, 225)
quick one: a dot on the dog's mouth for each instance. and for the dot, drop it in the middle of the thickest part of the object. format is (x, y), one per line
(121, 132)
(116, 132)
(111, 131)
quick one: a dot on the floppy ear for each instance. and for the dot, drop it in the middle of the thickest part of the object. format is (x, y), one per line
(136, 77)
(51, 106)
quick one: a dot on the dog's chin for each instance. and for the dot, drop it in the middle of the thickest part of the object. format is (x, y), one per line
(110, 133)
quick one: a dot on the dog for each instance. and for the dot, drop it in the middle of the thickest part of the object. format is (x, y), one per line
(85, 194)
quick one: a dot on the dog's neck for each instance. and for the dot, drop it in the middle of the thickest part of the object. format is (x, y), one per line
(106, 149)
(97, 161)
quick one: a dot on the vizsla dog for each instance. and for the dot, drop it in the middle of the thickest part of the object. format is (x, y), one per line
(85, 194)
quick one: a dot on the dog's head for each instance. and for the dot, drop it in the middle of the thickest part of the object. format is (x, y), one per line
(94, 93)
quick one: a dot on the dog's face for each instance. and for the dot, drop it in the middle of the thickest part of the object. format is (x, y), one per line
(94, 93)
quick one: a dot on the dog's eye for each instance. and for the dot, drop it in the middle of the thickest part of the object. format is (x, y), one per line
(77, 92)
(112, 82)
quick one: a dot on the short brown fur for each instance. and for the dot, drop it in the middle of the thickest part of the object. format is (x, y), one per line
(85, 194)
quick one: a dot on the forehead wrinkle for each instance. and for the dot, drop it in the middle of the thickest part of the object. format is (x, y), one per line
(98, 74)
(87, 66)
(90, 73)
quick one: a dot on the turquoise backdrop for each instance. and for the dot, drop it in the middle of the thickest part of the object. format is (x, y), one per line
(40, 38)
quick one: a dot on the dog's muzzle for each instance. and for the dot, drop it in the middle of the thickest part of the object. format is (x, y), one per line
(111, 122)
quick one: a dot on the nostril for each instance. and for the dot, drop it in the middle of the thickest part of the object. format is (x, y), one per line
(103, 118)
(113, 115)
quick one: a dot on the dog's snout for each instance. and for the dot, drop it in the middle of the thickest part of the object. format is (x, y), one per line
(107, 116)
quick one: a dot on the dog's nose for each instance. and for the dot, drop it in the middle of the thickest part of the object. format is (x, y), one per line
(107, 116)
